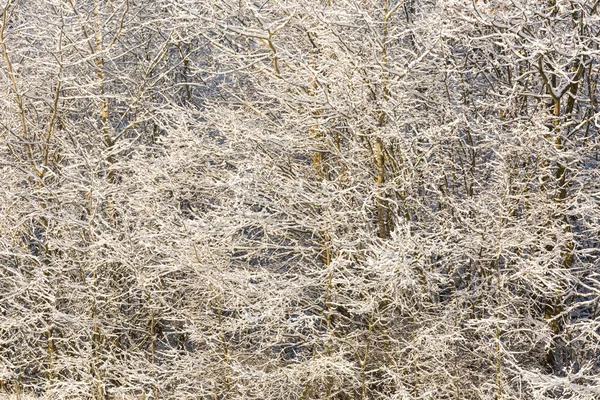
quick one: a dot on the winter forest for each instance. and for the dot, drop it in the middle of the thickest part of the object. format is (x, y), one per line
(300, 199)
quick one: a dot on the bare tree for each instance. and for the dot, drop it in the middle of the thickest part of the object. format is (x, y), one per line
(333, 199)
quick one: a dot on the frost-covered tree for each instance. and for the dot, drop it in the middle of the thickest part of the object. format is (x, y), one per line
(339, 199)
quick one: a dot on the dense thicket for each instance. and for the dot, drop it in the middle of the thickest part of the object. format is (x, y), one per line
(300, 199)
